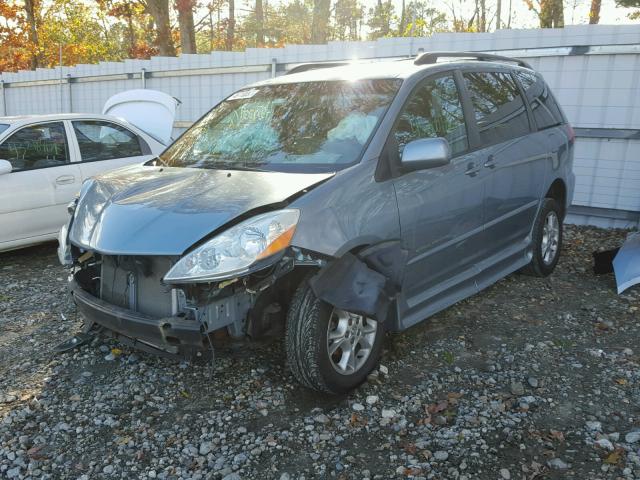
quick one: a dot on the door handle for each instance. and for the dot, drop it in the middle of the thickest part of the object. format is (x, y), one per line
(65, 179)
(491, 162)
(472, 170)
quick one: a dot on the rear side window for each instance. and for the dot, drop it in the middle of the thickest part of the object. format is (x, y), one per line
(499, 109)
(36, 146)
(545, 109)
(434, 110)
(105, 141)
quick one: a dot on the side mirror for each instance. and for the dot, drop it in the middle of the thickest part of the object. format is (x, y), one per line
(5, 167)
(425, 153)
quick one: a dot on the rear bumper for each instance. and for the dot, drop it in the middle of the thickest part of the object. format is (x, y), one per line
(173, 335)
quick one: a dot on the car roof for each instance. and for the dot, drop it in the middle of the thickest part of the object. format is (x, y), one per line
(22, 119)
(370, 70)
(357, 70)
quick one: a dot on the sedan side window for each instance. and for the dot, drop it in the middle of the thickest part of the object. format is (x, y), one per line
(105, 141)
(434, 110)
(499, 109)
(36, 146)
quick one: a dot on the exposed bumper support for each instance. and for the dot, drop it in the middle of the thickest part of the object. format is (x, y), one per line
(174, 335)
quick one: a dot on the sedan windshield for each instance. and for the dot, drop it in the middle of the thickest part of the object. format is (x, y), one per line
(304, 127)
(3, 127)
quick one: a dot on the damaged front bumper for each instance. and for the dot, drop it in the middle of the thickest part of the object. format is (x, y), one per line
(174, 335)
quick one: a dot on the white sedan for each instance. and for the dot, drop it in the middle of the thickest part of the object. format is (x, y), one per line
(44, 160)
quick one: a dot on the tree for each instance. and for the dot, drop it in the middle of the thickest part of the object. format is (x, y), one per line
(594, 11)
(187, 27)
(159, 11)
(549, 12)
(231, 24)
(320, 21)
(32, 10)
(423, 20)
(348, 17)
(13, 38)
(380, 19)
(259, 12)
(129, 22)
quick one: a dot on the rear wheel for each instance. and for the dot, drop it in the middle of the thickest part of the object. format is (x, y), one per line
(330, 349)
(546, 239)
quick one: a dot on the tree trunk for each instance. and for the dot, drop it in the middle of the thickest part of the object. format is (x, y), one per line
(551, 14)
(594, 13)
(320, 20)
(231, 26)
(187, 28)
(403, 20)
(387, 18)
(259, 24)
(33, 19)
(558, 14)
(159, 10)
(498, 12)
(483, 16)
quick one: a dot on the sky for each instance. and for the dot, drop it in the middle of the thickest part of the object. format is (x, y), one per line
(521, 16)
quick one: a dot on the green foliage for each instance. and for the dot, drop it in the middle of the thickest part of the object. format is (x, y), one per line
(630, 4)
(423, 20)
(380, 18)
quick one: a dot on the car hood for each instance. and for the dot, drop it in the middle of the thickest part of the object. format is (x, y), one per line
(145, 210)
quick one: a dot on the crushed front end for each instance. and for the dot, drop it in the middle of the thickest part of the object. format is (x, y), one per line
(127, 296)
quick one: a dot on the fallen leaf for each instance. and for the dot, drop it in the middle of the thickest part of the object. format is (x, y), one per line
(621, 381)
(410, 448)
(437, 407)
(116, 351)
(556, 435)
(185, 394)
(614, 457)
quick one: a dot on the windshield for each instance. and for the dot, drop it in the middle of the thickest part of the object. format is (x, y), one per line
(3, 127)
(304, 127)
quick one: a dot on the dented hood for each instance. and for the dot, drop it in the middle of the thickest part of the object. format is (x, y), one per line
(143, 210)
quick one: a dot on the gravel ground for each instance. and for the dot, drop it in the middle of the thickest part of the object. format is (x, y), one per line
(532, 378)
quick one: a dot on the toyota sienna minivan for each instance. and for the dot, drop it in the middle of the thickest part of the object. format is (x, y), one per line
(335, 202)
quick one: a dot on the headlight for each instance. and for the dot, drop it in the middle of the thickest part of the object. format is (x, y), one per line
(233, 252)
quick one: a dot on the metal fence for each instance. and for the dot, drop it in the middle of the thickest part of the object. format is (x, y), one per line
(594, 70)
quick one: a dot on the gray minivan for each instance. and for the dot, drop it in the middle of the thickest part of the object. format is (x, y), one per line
(330, 205)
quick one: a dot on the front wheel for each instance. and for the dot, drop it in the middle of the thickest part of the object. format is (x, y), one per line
(546, 239)
(330, 349)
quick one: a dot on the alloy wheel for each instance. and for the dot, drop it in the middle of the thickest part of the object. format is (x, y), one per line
(350, 338)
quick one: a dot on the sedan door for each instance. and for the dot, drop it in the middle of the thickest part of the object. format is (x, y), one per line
(440, 208)
(34, 195)
(104, 146)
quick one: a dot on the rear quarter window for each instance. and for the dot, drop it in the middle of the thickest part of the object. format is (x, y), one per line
(499, 109)
(546, 111)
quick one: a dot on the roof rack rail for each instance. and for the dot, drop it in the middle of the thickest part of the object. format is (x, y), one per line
(432, 57)
(305, 67)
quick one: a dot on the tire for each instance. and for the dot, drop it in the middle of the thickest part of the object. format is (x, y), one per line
(544, 259)
(307, 347)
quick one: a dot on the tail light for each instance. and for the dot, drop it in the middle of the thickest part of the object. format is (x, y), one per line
(571, 132)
